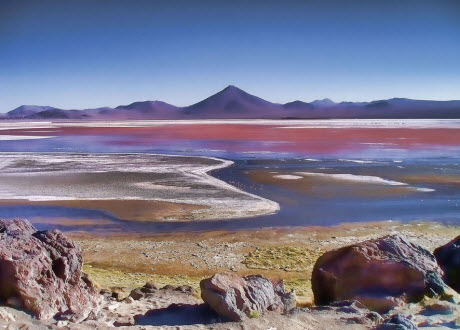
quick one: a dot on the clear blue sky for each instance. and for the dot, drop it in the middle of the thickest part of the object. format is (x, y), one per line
(90, 53)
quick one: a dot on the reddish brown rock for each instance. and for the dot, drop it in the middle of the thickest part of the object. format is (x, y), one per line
(380, 273)
(448, 257)
(41, 271)
(237, 298)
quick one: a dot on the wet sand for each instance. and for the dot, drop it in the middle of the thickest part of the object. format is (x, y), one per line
(320, 186)
(130, 210)
(438, 178)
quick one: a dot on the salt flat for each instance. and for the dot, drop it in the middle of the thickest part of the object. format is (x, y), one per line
(285, 123)
(45, 177)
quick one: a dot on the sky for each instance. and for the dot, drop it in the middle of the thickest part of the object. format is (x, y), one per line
(91, 53)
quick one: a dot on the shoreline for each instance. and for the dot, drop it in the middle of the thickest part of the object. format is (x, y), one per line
(279, 253)
(369, 122)
(187, 183)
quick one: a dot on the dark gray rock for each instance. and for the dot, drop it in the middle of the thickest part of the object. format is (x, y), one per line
(137, 294)
(398, 322)
(448, 257)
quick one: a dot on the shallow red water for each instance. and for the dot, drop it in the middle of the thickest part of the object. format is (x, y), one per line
(261, 138)
(407, 155)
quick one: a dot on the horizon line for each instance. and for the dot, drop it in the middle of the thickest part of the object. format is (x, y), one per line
(231, 85)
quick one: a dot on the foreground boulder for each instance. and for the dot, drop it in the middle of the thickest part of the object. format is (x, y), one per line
(448, 257)
(237, 298)
(41, 271)
(380, 273)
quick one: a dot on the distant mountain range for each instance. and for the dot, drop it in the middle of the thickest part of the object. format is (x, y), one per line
(234, 103)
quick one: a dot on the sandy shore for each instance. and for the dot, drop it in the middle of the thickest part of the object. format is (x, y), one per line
(139, 210)
(186, 258)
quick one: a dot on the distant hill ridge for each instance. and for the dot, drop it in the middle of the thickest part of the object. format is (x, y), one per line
(234, 103)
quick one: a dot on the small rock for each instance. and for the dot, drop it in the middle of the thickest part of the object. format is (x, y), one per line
(105, 293)
(398, 322)
(439, 307)
(185, 289)
(137, 294)
(112, 307)
(119, 293)
(237, 298)
(61, 324)
(432, 321)
(129, 300)
(150, 286)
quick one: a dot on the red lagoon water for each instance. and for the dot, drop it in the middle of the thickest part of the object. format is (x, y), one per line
(234, 140)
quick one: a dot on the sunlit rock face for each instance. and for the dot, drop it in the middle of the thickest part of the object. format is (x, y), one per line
(41, 271)
(238, 298)
(380, 273)
(448, 257)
